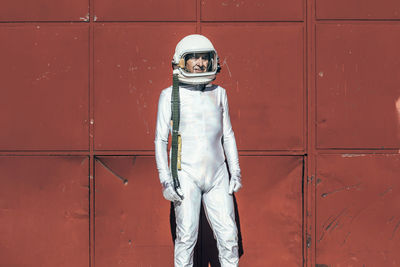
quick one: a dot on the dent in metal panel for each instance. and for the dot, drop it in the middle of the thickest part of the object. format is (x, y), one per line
(44, 211)
(357, 210)
(132, 219)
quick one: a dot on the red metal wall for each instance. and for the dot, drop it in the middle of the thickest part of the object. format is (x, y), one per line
(314, 91)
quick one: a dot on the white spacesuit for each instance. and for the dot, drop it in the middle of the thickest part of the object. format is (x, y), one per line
(206, 138)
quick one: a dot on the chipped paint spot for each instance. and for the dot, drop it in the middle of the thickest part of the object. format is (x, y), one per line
(43, 76)
(83, 161)
(95, 18)
(321, 74)
(131, 67)
(85, 18)
(352, 155)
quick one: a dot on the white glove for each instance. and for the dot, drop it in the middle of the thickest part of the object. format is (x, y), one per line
(235, 184)
(169, 192)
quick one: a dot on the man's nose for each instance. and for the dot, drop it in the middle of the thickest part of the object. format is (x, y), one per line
(200, 61)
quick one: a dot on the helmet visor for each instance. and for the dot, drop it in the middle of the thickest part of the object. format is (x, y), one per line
(200, 63)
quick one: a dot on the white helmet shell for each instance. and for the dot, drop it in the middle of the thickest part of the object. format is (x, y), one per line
(195, 43)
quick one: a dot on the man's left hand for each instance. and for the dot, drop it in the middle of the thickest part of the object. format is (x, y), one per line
(235, 184)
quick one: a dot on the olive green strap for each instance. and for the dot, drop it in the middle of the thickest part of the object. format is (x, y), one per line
(175, 108)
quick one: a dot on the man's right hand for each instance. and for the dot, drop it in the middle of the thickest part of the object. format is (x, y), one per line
(169, 193)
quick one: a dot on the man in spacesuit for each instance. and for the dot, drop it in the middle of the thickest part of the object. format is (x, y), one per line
(206, 139)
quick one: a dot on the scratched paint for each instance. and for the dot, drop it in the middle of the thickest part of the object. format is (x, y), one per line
(46, 72)
(357, 204)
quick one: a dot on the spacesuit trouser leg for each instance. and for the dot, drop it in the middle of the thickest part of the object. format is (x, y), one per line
(187, 214)
(220, 213)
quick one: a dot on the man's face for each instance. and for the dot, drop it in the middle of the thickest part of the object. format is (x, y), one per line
(197, 62)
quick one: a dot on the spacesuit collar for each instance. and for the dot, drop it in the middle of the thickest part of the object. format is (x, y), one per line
(196, 87)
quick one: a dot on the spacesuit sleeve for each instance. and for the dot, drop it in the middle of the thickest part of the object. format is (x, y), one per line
(161, 137)
(229, 141)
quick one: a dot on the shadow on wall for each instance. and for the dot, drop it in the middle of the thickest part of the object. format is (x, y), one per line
(206, 252)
